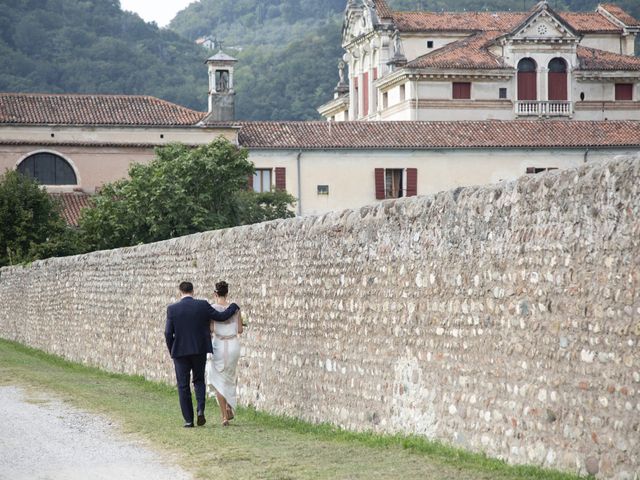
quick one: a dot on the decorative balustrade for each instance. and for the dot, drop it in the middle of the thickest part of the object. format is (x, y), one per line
(551, 108)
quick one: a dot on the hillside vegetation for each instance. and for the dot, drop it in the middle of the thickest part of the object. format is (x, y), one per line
(287, 49)
(92, 46)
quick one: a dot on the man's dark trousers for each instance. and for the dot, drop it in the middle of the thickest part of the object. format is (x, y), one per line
(184, 367)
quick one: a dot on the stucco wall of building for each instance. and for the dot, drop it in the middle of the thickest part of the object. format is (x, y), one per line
(502, 319)
(349, 174)
(98, 154)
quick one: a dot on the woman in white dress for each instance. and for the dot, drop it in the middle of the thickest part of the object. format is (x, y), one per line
(221, 367)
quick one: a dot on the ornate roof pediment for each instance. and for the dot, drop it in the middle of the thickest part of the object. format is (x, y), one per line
(543, 25)
(360, 19)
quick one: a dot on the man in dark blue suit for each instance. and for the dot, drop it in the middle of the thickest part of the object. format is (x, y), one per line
(189, 340)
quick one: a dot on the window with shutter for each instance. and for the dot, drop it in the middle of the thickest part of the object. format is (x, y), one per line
(527, 79)
(461, 90)
(624, 91)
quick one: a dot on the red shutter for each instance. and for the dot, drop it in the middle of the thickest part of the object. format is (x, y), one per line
(461, 90)
(412, 182)
(365, 94)
(527, 88)
(557, 86)
(250, 183)
(624, 91)
(355, 96)
(379, 183)
(281, 178)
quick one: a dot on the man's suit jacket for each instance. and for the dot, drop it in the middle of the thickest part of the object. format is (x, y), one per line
(187, 328)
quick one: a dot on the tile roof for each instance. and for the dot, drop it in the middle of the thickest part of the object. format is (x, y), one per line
(583, 22)
(49, 109)
(589, 22)
(470, 52)
(457, 21)
(620, 14)
(454, 134)
(594, 59)
(382, 8)
(72, 203)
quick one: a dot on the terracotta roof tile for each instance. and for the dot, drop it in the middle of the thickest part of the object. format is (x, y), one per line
(620, 14)
(583, 22)
(383, 10)
(471, 53)
(72, 204)
(594, 59)
(589, 22)
(455, 134)
(48, 109)
(457, 21)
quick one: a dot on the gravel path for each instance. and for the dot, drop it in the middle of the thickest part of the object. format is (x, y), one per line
(45, 439)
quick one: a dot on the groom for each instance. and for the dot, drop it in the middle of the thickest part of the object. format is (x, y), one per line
(189, 340)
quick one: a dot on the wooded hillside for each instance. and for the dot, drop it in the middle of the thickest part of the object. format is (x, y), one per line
(288, 50)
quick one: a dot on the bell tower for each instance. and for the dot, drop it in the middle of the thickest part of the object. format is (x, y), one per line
(221, 89)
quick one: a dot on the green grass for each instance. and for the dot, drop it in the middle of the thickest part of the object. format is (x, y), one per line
(257, 445)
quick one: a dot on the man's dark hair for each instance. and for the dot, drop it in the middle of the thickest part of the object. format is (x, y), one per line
(186, 287)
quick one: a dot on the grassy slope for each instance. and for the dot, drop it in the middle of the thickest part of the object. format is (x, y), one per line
(257, 446)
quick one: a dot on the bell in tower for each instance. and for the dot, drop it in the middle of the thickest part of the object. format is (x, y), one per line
(221, 92)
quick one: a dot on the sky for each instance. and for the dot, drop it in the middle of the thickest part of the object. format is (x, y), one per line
(159, 11)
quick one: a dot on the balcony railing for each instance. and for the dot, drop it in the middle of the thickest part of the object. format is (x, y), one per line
(551, 108)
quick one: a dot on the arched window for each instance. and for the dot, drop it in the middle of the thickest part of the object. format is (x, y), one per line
(48, 169)
(527, 84)
(557, 79)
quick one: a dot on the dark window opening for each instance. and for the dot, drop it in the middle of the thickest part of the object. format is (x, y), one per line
(429, 43)
(323, 189)
(557, 65)
(393, 187)
(48, 169)
(527, 65)
(222, 80)
(385, 100)
(502, 93)
(534, 170)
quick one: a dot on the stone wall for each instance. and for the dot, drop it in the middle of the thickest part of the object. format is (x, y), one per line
(502, 319)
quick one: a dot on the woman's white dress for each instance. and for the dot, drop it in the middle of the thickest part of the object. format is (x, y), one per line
(221, 367)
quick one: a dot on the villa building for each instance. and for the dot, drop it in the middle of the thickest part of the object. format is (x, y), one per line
(73, 144)
(486, 65)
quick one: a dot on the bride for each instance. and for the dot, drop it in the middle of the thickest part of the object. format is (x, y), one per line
(221, 367)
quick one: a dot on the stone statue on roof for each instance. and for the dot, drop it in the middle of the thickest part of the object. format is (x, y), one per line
(373, 13)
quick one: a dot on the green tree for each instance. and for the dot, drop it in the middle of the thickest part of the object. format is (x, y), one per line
(183, 190)
(32, 227)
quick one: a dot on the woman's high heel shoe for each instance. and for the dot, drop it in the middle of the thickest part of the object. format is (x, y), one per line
(225, 422)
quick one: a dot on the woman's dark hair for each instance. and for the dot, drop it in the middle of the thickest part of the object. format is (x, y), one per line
(222, 288)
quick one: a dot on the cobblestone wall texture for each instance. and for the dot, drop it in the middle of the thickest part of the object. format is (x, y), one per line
(503, 319)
